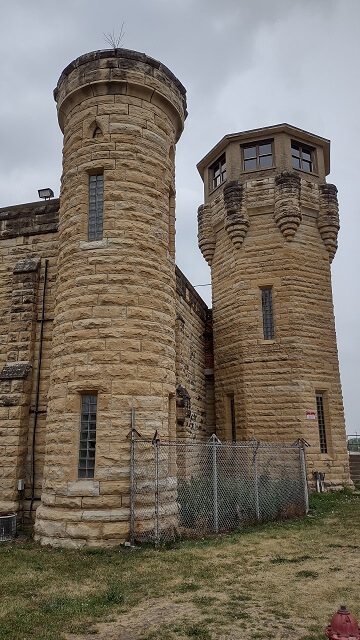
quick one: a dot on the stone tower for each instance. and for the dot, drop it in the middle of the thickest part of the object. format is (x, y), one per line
(268, 228)
(121, 114)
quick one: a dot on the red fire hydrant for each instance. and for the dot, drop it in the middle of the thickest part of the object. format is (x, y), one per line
(343, 626)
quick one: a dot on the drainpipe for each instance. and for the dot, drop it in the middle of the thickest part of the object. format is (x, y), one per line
(38, 373)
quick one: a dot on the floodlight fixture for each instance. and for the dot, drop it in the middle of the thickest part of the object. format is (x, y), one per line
(46, 194)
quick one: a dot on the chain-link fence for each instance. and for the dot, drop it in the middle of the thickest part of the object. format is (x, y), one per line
(195, 489)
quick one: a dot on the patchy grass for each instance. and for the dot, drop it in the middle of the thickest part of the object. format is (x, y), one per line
(257, 583)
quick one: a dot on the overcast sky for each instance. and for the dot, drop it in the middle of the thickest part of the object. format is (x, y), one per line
(245, 64)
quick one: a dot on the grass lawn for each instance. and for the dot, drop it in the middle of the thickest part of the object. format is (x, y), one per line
(279, 581)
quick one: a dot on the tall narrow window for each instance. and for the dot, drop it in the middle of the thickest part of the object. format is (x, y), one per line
(321, 421)
(267, 314)
(96, 203)
(230, 417)
(218, 172)
(87, 436)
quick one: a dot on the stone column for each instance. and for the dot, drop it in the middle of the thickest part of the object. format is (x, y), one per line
(121, 113)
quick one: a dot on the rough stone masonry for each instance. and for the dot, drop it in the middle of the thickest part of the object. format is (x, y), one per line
(97, 319)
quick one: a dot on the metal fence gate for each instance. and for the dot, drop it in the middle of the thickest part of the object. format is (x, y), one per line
(182, 489)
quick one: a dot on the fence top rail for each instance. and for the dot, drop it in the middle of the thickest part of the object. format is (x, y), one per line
(246, 444)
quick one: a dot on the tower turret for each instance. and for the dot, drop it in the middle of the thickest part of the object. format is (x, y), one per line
(268, 228)
(121, 114)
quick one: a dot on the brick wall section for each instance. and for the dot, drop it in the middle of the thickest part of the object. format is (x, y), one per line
(193, 348)
(27, 238)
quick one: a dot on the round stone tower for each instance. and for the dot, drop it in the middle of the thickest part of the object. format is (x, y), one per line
(121, 114)
(268, 228)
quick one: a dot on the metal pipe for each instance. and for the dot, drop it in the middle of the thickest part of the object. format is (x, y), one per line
(215, 487)
(156, 506)
(132, 478)
(37, 389)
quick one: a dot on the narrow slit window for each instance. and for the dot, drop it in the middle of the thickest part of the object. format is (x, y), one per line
(321, 422)
(267, 314)
(96, 205)
(87, 436)
(230, 420)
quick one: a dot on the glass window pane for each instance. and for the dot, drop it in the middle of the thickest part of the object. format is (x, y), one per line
(250, 164)
(295, 150)
(296, 163)
(265, 149)
(306, 166)
(265, 161)
(249, 152)
(306, 155)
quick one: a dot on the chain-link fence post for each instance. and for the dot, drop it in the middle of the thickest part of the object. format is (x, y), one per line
(256, 480)
(214, 440)
(132, 478)
(156, 443)
(303, 474)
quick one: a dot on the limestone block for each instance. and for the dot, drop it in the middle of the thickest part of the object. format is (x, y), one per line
(328, 218)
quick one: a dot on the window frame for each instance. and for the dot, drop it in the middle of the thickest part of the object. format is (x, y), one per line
(95, 221)
(267, 312)
(322, 419)
(87, 442)
(257, 157)
(303, 148)
(221, 164)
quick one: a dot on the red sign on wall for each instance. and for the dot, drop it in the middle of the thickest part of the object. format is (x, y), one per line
(310, 415)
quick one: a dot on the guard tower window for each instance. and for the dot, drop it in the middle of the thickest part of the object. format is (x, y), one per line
(267, 314)
(302, 157)
(218, 172)
(321, 421)
(87, 436)
(96, 204)
(258, 156)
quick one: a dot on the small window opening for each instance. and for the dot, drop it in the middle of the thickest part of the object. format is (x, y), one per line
(302, 157)
(218, 172)
(267, 314)
(96, 205)
(87, 436)
(97, 132)
(321, 422)
(258, 156)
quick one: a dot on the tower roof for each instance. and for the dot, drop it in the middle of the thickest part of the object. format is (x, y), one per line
(253, 134)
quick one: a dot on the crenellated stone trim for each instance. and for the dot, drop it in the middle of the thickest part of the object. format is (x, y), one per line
(328, 218)
(287, 203)
(236, 220)
(206, 235)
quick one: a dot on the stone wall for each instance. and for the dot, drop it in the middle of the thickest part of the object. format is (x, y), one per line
(28, 237)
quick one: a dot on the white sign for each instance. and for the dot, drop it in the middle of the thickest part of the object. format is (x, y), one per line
(310, 415)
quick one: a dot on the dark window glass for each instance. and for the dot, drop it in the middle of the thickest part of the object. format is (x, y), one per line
(218, 172)
(87, 436)
(96, 197)
(321, 422)
(258, 156)
(265, 161)
(250, 164)
(264, 149)
(267, 313)
(302, 157)
(249, 152)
